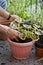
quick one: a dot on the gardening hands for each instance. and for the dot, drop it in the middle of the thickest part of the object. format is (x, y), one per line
(6, 15)
(16, 18)
(6, 32)
(13, 34)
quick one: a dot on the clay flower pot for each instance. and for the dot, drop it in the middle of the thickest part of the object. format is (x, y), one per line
(39, 52)
(39, 48)
(20, 50)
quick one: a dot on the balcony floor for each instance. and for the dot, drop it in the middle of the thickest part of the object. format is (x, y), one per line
(6, 57)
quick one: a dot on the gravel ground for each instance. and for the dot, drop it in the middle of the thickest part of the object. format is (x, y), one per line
(6, 57)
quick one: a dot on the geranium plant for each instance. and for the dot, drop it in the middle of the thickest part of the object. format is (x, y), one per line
(26, 29)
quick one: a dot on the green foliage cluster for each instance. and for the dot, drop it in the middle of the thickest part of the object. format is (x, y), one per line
(26, 29)
(37, 17)
(18, 7)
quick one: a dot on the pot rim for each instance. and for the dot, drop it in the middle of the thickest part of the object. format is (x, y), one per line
(24, 44)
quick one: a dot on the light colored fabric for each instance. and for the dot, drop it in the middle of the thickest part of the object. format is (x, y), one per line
(3, 4)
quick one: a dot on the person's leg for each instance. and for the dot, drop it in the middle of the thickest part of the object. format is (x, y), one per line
(3, 4)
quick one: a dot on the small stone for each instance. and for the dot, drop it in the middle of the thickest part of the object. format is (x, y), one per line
(34, 64)
(0, 53)
(6, 49)
(3, 63)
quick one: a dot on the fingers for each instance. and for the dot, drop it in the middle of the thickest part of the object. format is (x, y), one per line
(3, 34)
(4, 21)
(9, 33)
(12, 33)
(16, 18)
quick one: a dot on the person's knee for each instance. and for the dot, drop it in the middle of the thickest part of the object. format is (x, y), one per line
(3, 4)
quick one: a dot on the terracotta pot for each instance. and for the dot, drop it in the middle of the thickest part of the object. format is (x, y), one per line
(39, 52)
(20, 50)
(39, 48)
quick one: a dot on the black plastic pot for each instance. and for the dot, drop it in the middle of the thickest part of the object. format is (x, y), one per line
(39, 44)
(41, 37)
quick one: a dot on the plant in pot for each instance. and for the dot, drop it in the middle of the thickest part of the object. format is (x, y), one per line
(27, 37)
(28, 30)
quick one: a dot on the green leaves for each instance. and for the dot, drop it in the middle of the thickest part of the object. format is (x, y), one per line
(27, 31)
(18, 7)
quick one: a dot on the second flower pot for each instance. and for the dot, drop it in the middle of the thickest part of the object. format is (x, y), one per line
(39, 48)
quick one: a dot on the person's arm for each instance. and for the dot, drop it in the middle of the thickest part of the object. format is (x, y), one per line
(4, 13)
(7, 32)
(7, 17)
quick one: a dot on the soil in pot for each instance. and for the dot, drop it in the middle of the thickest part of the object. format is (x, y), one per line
(22, 41)
(39, 48)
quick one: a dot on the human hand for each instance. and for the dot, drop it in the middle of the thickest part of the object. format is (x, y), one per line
(7, 32)
(4, 21)
(13, 34)
(16, 18)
